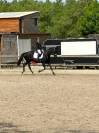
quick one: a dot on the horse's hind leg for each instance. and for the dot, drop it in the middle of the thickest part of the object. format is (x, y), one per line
(30, 68)
(23, 68)
(24, 64)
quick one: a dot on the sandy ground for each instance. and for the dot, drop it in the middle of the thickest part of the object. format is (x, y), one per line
(43, 103)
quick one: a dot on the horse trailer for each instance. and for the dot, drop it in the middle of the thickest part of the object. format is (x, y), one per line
(78, 53)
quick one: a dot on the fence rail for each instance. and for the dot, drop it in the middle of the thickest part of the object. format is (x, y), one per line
(11, 62)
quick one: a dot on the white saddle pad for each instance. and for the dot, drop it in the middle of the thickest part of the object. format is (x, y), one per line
(35, 55)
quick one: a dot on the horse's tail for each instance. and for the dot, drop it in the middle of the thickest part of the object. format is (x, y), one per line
(20, 59)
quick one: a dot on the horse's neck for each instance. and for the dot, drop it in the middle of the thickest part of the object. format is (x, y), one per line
(49, 52)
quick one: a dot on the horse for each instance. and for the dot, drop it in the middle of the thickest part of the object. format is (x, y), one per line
(45, 60)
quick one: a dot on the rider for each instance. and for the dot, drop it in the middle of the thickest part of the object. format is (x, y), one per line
(39, 50)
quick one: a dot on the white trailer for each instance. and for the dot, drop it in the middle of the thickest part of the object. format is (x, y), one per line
(79, 47)
(75, 52)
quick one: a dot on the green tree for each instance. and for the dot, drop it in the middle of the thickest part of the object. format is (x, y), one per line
(90, 19)
(74, 18)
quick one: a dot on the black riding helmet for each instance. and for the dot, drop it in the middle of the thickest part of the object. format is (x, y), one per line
(38, 45)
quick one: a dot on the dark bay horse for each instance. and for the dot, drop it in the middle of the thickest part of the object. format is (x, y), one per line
(28, 58)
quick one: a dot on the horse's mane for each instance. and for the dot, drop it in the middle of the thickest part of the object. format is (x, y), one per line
(50, 51)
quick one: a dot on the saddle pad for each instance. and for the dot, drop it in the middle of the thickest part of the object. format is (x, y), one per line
(35, 55)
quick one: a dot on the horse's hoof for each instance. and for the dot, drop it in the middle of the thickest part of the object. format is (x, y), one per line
(54, 74)
(21, 74)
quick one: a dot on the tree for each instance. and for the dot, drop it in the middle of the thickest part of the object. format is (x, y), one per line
(90, 19)
(74, 18)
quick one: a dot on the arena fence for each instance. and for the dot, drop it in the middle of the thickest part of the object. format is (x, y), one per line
(10, 61)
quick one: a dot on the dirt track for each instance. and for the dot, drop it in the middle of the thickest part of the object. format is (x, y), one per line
(42, 103)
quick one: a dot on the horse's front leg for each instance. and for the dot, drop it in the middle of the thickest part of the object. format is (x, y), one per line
(51, 69)
(44, 67)
(29, 65)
